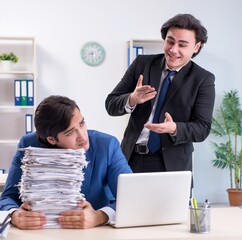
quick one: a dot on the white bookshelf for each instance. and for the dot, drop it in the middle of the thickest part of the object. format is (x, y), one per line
(150, 46)
(12, 118)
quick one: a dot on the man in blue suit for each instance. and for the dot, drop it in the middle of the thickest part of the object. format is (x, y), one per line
(60, 124)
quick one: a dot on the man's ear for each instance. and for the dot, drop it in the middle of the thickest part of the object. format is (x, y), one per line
(197, 47)
(51, 140)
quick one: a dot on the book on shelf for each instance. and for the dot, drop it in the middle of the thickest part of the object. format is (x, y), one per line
(136, 50)
(17, 92)
(28, 123)
(23, 92)
(30, 92)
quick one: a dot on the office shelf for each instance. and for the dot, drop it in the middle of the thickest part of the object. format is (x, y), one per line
(150, 46)
(12, 118)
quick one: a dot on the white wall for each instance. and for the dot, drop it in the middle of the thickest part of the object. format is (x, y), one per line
(61, 27)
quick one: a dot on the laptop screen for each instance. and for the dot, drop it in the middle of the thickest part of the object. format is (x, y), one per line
(152, 198)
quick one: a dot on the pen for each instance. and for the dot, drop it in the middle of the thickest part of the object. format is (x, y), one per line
(206, 204)
(194, 201)
(203, 217)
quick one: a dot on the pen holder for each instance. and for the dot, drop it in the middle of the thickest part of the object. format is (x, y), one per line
(200, 220)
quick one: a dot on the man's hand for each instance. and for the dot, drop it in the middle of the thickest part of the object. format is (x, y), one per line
(168, 126)
(24, 218)
(86, 217)
(141, 93)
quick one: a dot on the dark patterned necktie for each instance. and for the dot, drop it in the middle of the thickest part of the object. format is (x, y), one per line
(154, 139)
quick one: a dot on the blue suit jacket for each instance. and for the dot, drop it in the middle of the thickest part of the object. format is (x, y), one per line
(106, 162)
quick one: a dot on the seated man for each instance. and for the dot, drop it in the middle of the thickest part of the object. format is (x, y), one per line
(60, 124)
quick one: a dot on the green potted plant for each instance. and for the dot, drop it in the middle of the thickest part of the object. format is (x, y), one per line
(7, 59)
(227, 125)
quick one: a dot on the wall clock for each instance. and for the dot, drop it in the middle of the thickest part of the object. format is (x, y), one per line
(92, 53)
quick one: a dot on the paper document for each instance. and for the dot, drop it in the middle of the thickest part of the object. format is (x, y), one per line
(4, 224)
(51, 181)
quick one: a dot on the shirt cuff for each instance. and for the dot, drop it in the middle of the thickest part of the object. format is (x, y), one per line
(111, 214)
(128, 108)
(10, 211)
(173, 135)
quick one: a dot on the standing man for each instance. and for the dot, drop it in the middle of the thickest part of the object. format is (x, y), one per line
(170, 100)
(59, 123)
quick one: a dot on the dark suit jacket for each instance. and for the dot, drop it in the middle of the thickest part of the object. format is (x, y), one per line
(106, 162)
(190, 101)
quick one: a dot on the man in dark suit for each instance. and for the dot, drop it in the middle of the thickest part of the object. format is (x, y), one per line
(187, 108)
(60, 124)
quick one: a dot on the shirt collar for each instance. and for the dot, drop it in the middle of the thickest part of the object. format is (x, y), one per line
(178, 69)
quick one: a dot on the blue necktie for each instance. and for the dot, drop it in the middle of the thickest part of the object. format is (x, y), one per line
(154, 139)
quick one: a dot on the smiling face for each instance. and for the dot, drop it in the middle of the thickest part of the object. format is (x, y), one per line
(179, 46)
(75, 136)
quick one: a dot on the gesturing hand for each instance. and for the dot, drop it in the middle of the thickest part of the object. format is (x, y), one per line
(168, 126)
(141, 93)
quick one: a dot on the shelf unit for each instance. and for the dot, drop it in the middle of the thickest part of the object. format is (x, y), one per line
(12, 118)
(150, 46)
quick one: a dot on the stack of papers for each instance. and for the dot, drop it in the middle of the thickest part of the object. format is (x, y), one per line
(5, 219)
(51, 181)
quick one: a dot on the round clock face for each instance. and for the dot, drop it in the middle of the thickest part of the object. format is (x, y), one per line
(92, 53)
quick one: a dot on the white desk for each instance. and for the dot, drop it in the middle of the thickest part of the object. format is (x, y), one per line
(226, 223)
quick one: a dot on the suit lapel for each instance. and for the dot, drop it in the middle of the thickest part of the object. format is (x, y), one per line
(177, 82)
(155, 75)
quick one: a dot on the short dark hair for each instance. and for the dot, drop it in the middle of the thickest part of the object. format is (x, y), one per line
(189, 22)
(52, 116)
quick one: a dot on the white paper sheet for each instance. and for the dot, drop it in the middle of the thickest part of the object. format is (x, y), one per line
(51, 180)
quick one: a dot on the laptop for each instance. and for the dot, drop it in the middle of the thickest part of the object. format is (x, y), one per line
(157, 198)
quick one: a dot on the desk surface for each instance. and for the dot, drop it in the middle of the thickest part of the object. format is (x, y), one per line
(225, 224)
(3, 178)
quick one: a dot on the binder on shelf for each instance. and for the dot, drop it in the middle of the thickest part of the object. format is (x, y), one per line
(28, 123)
(137, 50)
(30, 92)
(23, 92)
(140, 51)
(17, 92)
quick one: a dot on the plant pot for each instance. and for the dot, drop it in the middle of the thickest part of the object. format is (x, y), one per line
(6, 65)
(235, 197)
